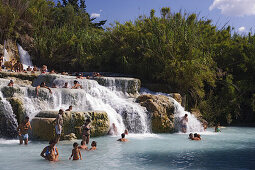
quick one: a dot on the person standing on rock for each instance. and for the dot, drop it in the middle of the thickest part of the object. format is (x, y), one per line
(86, 131)
(184, 122)
(59, 125)
(23, 130)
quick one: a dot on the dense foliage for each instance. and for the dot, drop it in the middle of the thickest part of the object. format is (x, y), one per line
(212, 67)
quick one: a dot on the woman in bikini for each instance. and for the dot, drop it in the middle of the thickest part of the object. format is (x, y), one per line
(86, 131)
(50, 152)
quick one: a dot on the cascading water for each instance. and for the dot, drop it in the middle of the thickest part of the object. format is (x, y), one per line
(25, 58)
(8, 124)
(121, 110)
(193, 125)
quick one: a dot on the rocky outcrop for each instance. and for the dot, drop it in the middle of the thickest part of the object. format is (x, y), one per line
(43, 128)
(100, 123)
(18, 108)
(161, 110)
(23, 76)
(198, 115)
(177, 97)
(124, 84)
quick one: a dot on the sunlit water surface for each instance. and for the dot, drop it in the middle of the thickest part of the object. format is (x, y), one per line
(233, 148)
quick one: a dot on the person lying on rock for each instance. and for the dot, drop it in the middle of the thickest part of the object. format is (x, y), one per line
(50, 152)
(42, 85)
(23, 131)
(76, 85)
(122, 139)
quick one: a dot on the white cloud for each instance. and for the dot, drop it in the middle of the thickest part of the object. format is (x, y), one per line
(100, 10)
(241, 29)
(234, 7)
(95, 15)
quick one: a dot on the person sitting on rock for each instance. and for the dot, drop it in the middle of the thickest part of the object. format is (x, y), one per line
(35, 68)
(93, 146)
(52, 72)
(50, 152)
(44, 69)
(23, 130)
(122, 139)
(1, 61)
(83, 146)
(79, 76)
(53, 85)
(11, 83)
(29, 68)
(76, 85)
(65, 86)
(42, 85)
(70, 108)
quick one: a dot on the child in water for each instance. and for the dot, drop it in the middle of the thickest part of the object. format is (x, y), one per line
(76, 153)
(83, 146)
(93, 146)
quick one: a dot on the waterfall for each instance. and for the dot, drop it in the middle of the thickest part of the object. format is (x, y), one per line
(8, 124)
(121, 110)
(193, 124)
(25, 58)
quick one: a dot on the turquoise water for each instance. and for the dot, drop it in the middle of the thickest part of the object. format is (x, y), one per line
(233, 148)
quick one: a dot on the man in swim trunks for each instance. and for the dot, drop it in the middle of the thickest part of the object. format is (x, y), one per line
(86, 131)
(59, 125)
(184, 123)
(50, 152)
(23, 130)
(42, 85)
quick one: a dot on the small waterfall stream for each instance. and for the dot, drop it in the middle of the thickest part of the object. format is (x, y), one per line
(25, 58)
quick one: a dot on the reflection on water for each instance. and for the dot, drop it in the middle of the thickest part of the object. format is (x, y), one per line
(234, 148)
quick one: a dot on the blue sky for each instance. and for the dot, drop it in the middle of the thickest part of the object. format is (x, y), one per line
(239, 14)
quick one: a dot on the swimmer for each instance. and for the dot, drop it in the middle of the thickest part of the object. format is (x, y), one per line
(83, 146)
(70, 108)
(42, 85)
(197, 137)
(191, 136)
(10, 84)
(86, 131)
(217, 128)
(23, 130)
(122, 139)
(50, 152)
(93, 146)
(66, 85)
(76, 85)
(126, 132)
(76, 153)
